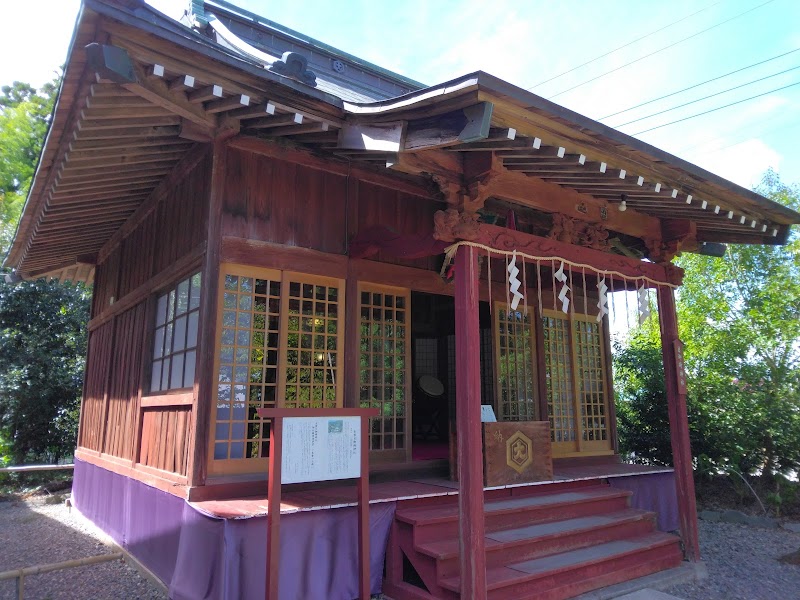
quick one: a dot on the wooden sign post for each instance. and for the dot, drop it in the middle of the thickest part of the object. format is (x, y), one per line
(317, 444)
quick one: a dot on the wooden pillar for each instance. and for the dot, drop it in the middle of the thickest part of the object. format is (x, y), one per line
(468, 422)
(205, 376)
(678, 424)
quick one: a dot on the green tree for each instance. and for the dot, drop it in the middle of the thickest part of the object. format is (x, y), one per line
(642, 418)
(739, 317)
(42, 325)
(42, 345)
(24, 118)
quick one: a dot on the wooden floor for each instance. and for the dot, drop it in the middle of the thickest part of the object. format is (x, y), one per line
(341, 496)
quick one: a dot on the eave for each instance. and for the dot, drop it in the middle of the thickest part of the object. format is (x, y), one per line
(114, 141)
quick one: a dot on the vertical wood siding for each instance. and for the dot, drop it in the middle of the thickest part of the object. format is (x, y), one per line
(165, 438)
(399, 211)
(123, 392)
(106, 280)
(273, 200)
(110, 413)
(94, 387)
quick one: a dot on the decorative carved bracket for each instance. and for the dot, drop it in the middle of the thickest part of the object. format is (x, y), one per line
(451, 225)
(580, 233)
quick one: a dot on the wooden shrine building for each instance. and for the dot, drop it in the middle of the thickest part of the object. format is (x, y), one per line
(270, 222)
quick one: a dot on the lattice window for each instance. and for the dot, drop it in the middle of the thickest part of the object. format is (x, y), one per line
(312, 345)
(590, 378)
(384, 365)
(248, 359)
(279, 344)
(516, 396)
(558, 375)
(576, 383)
(175, 336)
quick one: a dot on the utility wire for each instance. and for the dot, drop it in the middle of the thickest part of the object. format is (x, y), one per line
(639, 39)
(755, 129)
(744, 141)
(718, 108)
(694, 35)
(666, 110)
(691, 87)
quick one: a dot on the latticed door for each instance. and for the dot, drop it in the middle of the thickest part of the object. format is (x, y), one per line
(575, 373)
(591, 383)
(515, 365)
(279, 343)
(384, 381)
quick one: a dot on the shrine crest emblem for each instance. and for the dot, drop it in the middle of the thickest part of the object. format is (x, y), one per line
(519, 451)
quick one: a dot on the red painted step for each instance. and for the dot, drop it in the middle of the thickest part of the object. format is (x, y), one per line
(552, 545)
(567, 574)
(541, 539)
(433, 523)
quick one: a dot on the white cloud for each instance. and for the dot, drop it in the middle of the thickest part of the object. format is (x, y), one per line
(743, 163)
(28, 24)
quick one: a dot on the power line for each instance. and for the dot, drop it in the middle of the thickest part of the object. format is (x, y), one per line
(718, 108)
(588, 62)
(747, 139)
(691, 87)
(694, 35)
(666, 110)
(711, 142)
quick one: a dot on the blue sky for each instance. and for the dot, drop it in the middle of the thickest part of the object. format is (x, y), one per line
(528, 42)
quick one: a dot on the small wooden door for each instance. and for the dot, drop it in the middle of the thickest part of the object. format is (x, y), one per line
(577, 386)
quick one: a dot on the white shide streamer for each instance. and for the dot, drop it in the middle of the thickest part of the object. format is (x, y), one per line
(602, 302)
(513, 282)
(644, 304)
(562, 295)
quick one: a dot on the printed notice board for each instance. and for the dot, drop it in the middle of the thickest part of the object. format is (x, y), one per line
(320, 449)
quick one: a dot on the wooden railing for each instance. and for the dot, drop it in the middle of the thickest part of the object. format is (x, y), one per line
(21, 574)
(33, 468)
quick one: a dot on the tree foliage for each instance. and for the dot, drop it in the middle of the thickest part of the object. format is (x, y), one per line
(42, 325)
(740, 319)
(642, 419)
(42, 345)
(24, 118)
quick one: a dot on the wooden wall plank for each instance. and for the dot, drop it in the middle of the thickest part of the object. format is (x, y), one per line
(97, 365)
(273, 200)
(166, 433)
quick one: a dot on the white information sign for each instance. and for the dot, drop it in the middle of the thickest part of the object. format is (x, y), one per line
(320, 449)
(487, 414)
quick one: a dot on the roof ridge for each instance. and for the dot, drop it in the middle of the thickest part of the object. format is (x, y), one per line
(232, 10)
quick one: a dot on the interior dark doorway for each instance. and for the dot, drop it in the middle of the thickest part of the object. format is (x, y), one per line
(433, 372)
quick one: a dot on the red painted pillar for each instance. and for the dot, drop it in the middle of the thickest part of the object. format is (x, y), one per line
(678, 425)
(468, 424)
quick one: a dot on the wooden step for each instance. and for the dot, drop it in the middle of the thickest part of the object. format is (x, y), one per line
(433, 523)
(576, 571)
(541, 539)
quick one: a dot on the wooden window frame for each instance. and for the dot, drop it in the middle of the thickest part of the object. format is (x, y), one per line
(150, 337)
(403, 454)
(532, 366)
(251, 465)
(581, 447)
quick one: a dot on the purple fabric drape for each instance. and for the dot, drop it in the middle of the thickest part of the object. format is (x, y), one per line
(200, 557)
(654, 492)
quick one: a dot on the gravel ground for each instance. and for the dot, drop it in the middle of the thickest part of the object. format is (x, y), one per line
(743, 564)
(742, 561)
(34, 533)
